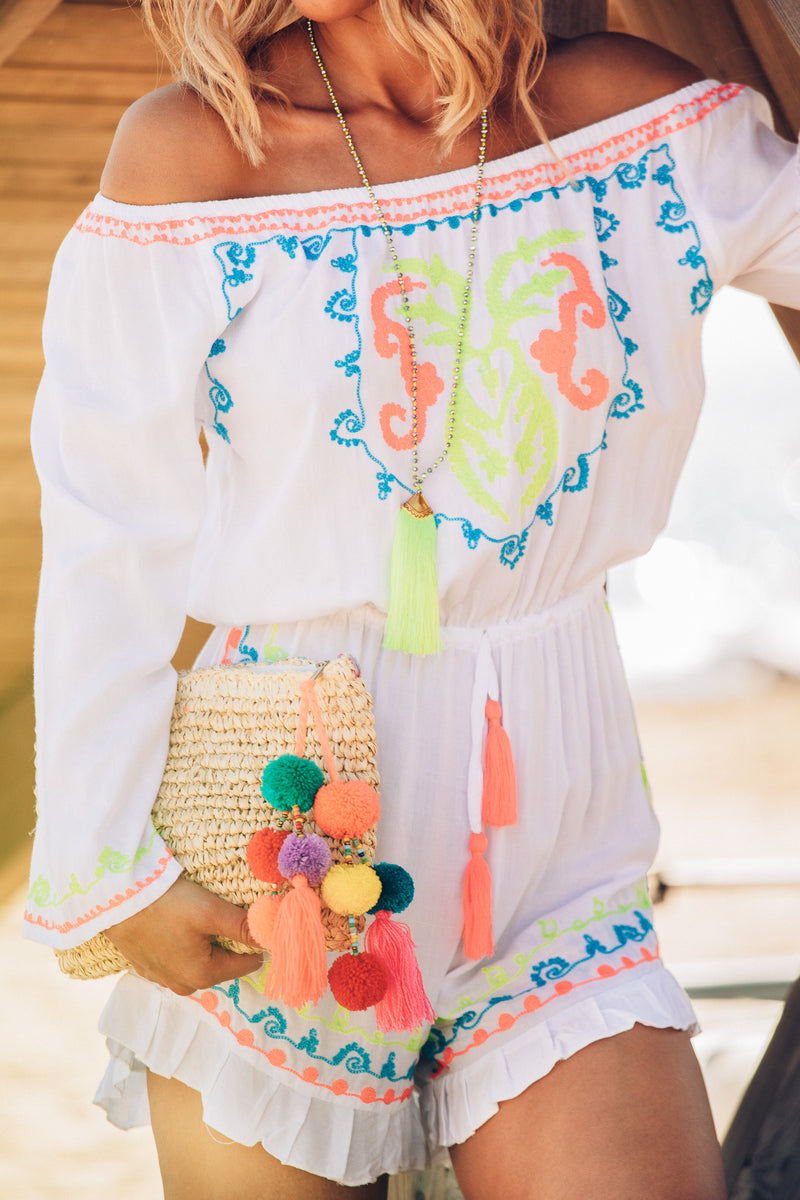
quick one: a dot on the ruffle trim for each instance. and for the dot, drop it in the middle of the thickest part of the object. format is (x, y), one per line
(351, 1143)
(458, 1102)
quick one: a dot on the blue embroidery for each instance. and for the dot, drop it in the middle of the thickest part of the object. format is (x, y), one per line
(541, 973)
(219, 396)
(235, 258)
(245, 650)
(656, 164)
(353, 1057)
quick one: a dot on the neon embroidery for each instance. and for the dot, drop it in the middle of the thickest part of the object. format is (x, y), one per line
(108, 861)
(351, 1057)
(221, 401)
(114, 902)
(532, 1003)
(497, 189)
(555, 349)
(390, 338)
(277, 1058)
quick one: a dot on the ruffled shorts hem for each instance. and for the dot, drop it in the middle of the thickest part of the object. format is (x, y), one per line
(353, 1144)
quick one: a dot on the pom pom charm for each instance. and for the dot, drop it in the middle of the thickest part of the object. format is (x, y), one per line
(350, 889)
(261, 917)
(346, 808)
(291, 781)
(262, 854)
(357, 981)
(309, 856)
(397, 888)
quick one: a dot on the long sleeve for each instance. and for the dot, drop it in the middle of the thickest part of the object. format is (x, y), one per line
(127, 331)
(745, 179)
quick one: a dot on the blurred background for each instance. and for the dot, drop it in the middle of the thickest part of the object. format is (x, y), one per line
(708, 621)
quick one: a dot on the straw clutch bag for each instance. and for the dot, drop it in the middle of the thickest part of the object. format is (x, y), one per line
(270, 799)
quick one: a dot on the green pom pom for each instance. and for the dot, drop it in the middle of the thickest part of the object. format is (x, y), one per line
(291, 780)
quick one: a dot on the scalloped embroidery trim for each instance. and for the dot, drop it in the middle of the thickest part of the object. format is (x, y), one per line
(277, 1058)
(98, 910)
(439, 202)
(532, 1004)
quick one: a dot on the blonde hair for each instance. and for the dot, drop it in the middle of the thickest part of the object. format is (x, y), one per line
(210, 43)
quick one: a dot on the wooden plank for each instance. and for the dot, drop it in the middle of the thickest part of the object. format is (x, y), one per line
(34, 83)
(708, 34)
(571, 18)
(788, 13)
(74, 184)
(18, 19)
(81, 36)
(776, 53)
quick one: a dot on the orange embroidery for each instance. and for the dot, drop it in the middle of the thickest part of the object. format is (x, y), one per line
(532, 1003)
(555, 349)
(437, 203)
(391, 337)
(277, 1058)
(114, 902)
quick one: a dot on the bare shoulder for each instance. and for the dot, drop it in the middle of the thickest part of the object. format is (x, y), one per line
(590, 78)
(170, 147)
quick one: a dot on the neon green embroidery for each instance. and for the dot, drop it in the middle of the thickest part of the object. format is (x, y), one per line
(497, 977)
(646, 781)
(271, 652)
(41, 892)
(477, 454)
(340, 1021)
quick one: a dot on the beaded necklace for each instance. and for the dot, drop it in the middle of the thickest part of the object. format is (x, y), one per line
(413, 620)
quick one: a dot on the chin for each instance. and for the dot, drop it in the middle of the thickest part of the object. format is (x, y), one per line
(324, 11)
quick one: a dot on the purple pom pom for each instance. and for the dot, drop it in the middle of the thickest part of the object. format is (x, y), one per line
(309, 856)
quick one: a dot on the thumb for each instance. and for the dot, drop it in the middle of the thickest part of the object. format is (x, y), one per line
(229, 921)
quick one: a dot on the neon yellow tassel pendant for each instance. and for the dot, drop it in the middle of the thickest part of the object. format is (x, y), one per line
(413, 621)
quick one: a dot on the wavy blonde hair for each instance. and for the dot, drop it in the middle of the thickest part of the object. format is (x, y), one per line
(211, 44)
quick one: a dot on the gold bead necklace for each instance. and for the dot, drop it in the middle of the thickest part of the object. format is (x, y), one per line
(412, 578)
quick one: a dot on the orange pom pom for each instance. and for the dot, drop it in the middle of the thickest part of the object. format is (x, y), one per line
(346, 808)
(261, 919)
(262, 854)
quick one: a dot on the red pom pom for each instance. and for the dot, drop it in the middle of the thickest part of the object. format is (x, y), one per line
(262, 854)
(261, 919)
(346, 808)
(358, 981)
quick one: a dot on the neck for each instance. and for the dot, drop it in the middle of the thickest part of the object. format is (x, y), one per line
(367, 67)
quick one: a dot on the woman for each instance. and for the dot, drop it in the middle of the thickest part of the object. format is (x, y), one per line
(236, 273)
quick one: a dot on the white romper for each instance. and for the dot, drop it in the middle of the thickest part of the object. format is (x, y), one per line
(274, 324)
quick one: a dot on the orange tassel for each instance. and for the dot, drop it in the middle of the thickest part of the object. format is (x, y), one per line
(478, 939)
(405, 1004)
(499, 803)
(298, 969)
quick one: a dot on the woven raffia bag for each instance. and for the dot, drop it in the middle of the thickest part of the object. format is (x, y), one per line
(227, 724)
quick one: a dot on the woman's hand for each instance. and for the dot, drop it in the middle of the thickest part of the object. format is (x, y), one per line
(170, 941)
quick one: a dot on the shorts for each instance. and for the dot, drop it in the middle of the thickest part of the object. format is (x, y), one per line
(576, 957)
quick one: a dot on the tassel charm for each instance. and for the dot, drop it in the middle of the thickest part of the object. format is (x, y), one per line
(298, 970)
(405, 1005)
(412, 624)
(478, 939)
(499, 802)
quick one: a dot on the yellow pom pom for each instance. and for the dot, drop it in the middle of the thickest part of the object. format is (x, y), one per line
(351, 889)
